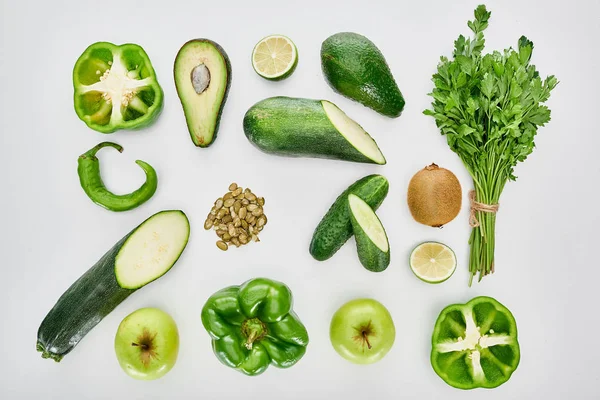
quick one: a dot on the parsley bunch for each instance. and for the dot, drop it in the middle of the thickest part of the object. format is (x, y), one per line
(489, 107)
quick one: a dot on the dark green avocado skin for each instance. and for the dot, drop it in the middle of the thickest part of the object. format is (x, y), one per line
(354, 67)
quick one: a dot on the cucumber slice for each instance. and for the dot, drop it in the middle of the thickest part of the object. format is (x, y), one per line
(152, 250)
(371, 240)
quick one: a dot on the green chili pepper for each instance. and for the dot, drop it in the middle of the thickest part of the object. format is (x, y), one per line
(253, 326)
(475, 344)
(88, 168)
(116, 88)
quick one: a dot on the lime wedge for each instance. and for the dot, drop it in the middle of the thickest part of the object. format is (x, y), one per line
(433, 262)
(275, 57)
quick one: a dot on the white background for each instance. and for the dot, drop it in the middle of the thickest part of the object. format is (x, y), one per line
(547, 267)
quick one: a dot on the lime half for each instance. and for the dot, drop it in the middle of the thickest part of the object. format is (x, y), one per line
(275, 57)
(433, 262)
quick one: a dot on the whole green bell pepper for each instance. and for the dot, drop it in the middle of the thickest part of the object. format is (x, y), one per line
(253, 326)
(116, 88)
(475, 344)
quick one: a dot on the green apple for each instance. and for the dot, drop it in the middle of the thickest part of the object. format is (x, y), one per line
(362, 331)
(147, 343)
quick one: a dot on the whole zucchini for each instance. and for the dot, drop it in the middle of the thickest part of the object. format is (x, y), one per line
(143, 255)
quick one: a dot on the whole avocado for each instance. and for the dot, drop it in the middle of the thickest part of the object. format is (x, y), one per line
(354, 67)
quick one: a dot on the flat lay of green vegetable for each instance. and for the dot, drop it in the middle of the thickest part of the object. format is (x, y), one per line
(475, 344)
(88, 169)
(140, 257)
(335, 227)
(489, 107)
(253, 326)
(354, 67)
(296, 127)
(202, 78)
(116, 88)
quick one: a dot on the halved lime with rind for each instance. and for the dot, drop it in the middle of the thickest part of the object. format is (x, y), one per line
(275, 57)
(433, 262)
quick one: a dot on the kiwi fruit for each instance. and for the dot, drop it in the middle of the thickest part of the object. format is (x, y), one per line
(434, 196)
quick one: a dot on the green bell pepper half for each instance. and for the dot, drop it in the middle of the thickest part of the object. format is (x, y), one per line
(474, 345)
(116, 88)
(253, 326)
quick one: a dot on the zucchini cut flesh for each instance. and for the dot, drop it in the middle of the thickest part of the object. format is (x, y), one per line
(353, 133)
(371, 240)
(152, 250)
(98, 291)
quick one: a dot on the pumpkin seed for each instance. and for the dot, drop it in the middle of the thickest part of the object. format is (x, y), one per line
(237, 222)
(236, 192)
(231, 229)
(233, 187)
(240, 196)
(219, 203)
(242, 213)
(229, 202)
(245, 202)
(250, 196)
(221, 232)
(243, 238)
(237, 206)
(252, 207)
(222, 245)
(227, 219)
(221, 213)
(226, 237)
(245, 224)
(261, 221)
(236, 241)
(227, 196)
(208, 224)
(258, 212)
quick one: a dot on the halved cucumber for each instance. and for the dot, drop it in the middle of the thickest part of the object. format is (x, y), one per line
(145, 254)
(297, 127)
(371, 240)
(335, 227)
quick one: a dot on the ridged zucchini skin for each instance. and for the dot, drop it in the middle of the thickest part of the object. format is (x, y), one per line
(336, 226)
(91, 298)
(296, 127)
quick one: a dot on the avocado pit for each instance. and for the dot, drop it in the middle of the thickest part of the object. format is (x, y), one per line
(200, 77)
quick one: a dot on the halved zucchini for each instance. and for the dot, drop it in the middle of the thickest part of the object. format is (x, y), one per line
(145, 254)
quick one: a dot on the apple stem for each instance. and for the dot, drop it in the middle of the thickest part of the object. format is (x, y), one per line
(366, 338)
(142, 345)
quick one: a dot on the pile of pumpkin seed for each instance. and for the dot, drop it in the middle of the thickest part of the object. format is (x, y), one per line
(237, 217)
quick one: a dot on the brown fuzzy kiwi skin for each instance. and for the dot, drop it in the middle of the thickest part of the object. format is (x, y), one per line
(434, 196)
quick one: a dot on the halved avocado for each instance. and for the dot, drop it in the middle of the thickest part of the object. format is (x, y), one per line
(202, 77)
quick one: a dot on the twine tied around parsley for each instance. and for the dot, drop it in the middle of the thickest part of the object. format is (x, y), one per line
(477, 206)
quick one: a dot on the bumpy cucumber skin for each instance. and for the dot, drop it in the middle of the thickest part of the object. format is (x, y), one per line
(296, 127)
(336, 226)
(354, 67)
(370, 256)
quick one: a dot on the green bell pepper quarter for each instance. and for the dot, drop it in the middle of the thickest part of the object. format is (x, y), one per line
(116, 88)
(253, 326)
(474, 345)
